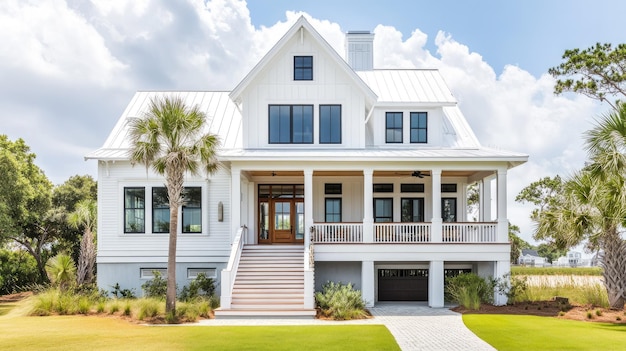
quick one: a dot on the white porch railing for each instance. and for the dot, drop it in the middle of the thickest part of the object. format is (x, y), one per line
(337, 232)
(469, 232)
(402, 232)
(229, 274)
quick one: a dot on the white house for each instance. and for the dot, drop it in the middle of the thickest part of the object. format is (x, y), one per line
(530, 257)
(573, 259)
(332, 170)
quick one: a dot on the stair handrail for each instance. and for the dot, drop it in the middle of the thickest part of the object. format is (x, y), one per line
(229, 274)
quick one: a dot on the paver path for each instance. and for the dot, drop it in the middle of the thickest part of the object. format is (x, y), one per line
(414, 325)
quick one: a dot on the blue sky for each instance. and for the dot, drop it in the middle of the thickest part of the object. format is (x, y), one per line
(530, 33)
(69, 68)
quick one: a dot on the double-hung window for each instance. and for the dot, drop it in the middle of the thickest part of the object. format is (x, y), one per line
(393, 127)
(330, 124)
(332, 207)
(160, 210)
(383, 210)
(419, 127)
(448, 209)
(291, 124)
(134, 209)
(303, 68)
(192, 210)
(412, 209)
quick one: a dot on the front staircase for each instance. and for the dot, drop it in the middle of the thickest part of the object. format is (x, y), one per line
(269, 283)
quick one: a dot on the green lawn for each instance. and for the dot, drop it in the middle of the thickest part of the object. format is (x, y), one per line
(103, 333)
(513, 332)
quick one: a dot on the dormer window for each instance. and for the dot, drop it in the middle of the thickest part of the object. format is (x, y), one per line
(303, 68)
(393, 127)
(419, 127)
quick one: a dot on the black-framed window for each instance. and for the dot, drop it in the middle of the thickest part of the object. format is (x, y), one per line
(160, 210)
(332, 188)
(412, 188)
(448, 209)
(412, 209)
(134, 210)
(383, 188)
(303, 68)
(192, 210)
(290, 124)
(383, 210)
(393, 127)
(330, 124)
(448, 188)
(332, 210)
(419, 127)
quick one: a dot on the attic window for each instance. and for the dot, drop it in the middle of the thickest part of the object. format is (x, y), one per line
(303, 68)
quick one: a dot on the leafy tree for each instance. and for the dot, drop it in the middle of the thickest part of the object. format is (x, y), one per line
(65, 198)
(543, 193)
(25, 194)
(517, 243)
(473, 200)
(18, 269)
(170, 140)
(551, 252)
(85, 216)
(598, 72)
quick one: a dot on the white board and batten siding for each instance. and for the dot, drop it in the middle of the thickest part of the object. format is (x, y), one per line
(330, 86)
(213, 244)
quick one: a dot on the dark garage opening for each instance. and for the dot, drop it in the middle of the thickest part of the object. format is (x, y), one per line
(403, 285)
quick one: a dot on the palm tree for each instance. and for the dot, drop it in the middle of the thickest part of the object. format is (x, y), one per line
(85, 215)
(61, 270)
(593, 204)
(170, 140)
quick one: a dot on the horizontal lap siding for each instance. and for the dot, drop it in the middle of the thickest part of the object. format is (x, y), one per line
(112, 241)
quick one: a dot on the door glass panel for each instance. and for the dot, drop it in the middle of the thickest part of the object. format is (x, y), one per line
(264, 221)
(299, 220)
(282, 216)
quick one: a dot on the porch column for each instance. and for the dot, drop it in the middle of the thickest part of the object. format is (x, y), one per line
(367, 282)
(368, 206)
(501, 269)
(435, 284)
(308, 206)
(484, 201)
(235, 198)
(503, 222)
(436, 203)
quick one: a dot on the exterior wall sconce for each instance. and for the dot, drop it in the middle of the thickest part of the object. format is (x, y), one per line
(220, 212)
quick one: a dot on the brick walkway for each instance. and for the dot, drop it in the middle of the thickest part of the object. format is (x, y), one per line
(414, 325)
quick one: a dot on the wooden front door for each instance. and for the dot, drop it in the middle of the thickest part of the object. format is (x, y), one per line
(281, 214)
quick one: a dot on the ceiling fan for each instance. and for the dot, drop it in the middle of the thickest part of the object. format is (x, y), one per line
(419, 174)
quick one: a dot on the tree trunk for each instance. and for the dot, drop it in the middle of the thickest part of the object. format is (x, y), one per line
(613, 261)
(170, 296)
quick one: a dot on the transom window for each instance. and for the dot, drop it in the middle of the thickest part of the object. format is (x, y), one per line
(419, 130)
(412, 188)
(330, 124)
(393, 127)
(383, 188)
(448, 188)
(303, 68)
(134, 210)
(332, 188)
(291, 124)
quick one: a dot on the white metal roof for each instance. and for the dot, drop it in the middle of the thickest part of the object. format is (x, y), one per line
(408, 85)
(223, 119)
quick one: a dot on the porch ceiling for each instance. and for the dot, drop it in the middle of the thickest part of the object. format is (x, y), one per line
(356, 173)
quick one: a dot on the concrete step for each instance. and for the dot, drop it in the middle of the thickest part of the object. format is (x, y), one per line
(264, 314)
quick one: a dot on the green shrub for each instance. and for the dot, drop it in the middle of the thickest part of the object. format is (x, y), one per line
(18, 271)
(84, 305)
(469, 290)
(340, 301)
(148, 308)
(127, 309)
(515, 288)
(201, 286)
(155, 287)
(61, 270)
(589, 315)
(120, 293)
(115, 307)
(101, 307)
(598, 313)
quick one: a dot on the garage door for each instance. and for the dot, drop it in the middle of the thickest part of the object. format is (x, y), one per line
(403, 285)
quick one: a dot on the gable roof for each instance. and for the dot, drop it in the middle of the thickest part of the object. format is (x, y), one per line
(303, 24)
(530, 252)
